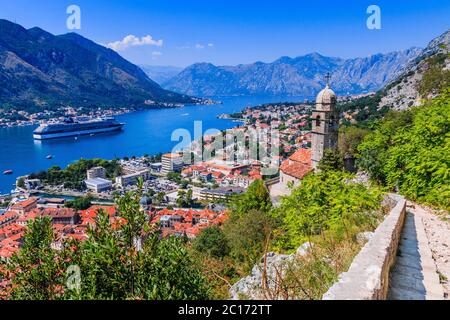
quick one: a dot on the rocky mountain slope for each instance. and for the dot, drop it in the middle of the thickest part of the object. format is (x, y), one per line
(303, 76)
(421, 77)
(39, 70)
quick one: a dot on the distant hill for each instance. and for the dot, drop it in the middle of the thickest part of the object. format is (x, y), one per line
(161, 74)
(39, 70)
(303, 76)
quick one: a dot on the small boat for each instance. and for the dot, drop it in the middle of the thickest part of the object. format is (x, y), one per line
(49, 157)
(8, 172)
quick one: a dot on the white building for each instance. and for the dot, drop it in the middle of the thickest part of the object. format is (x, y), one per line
(172, 162)
(97, 172)
(98, 184)
(132, 178)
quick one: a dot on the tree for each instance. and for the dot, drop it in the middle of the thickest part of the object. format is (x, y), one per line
(350, 138)
(256, 197)
(74, 175)
(410, 152)
(331, 160)
(82, 203)
(21, 182)
(185, 198)
(174, 176)
(213, 242)
(247, 236)
(159, 198)
(36, 272)
(184, 184)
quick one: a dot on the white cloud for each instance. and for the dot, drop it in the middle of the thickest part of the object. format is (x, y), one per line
(133, 41)
(156, 55)
(198, 46)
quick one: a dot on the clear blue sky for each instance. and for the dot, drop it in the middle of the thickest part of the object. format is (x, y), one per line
(241, 31)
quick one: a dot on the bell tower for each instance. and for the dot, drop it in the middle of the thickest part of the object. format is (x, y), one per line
(325, 124)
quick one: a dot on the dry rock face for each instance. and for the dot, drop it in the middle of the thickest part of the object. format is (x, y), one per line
(403, 93)
(250, 287)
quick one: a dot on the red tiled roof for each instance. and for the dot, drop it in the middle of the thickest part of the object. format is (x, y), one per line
(26, 203)
(302, 155)
(58, 212)
(295, 169)
(92, 211)
(33, 214)
(8, 215)
(216, 174)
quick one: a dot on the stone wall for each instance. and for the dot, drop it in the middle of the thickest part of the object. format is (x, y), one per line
(368, 275)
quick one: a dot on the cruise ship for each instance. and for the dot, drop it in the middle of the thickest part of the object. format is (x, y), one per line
(76, 127)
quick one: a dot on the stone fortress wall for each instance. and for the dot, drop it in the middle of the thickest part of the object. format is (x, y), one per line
(368, 275)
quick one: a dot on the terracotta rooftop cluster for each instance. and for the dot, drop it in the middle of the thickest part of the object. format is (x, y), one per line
(242, 175)
(70, 224)
(187, 222)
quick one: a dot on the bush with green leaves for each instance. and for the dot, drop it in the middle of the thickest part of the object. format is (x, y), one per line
(82, 203)
(213, 242)
(410, 152)
(324, 201)
(331, 160)
(256, 197)
(247, 236)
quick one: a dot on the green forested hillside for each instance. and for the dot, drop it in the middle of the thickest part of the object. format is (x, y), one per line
(409, 151)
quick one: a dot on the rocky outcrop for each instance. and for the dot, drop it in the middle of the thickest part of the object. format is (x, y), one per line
(251, 287)
(402, 93)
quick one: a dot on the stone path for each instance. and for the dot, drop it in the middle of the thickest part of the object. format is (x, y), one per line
(437, 228)
(414, 275)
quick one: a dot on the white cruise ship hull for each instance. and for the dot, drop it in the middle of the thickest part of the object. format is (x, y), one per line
(74, 133)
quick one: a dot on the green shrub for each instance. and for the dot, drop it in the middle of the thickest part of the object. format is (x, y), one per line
(410, 152)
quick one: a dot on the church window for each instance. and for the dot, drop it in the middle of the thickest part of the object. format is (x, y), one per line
(318, 121)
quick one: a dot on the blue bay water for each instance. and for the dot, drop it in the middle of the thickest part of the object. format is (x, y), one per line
(145, 132)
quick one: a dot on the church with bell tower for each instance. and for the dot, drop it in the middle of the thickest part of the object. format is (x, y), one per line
(325, 124)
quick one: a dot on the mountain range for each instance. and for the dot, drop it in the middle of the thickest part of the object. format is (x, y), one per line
(39, 70)
(161, 74)
(300, 76)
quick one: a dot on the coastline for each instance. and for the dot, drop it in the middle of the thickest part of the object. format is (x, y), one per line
(120, 146)
(109, 112)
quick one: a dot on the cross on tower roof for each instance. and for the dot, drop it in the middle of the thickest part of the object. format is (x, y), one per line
(328, 78)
